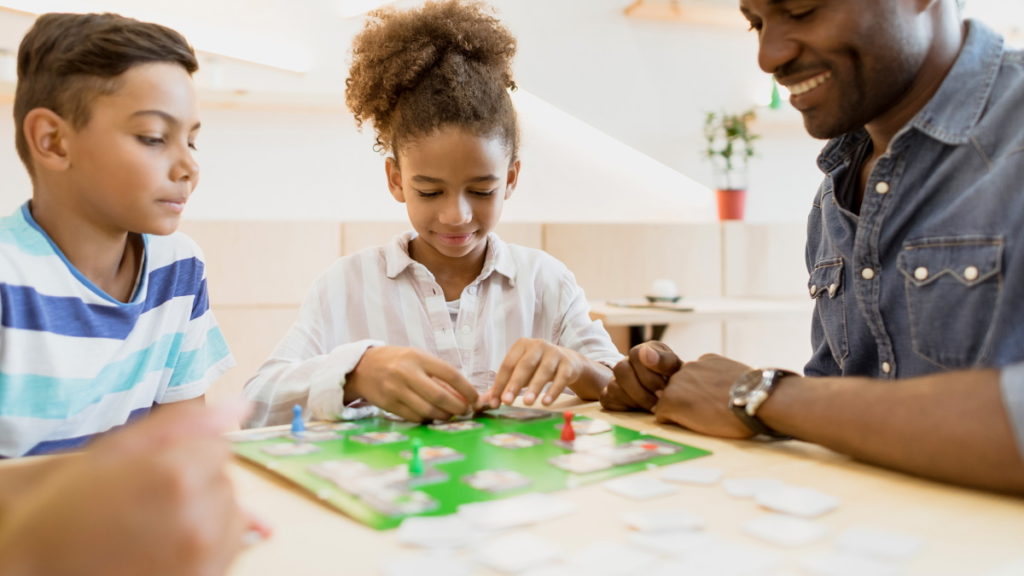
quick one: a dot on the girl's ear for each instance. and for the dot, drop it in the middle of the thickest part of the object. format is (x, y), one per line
(511, 179)
(46, 134)
(394, 179)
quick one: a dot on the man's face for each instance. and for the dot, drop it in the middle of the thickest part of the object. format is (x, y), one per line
(846, 63)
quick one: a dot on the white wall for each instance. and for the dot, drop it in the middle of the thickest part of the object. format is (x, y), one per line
(645, 84)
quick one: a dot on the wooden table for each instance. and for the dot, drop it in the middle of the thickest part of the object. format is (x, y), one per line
(964, 531)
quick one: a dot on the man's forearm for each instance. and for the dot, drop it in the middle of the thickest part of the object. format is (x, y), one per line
(951, 427)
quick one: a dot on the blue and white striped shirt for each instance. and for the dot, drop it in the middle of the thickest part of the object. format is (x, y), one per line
(75, 362)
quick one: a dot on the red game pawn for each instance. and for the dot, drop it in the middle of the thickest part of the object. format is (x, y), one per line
(568, 434)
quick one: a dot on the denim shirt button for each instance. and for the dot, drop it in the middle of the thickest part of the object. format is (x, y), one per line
(886, 367)
(814, 290)
(867, 274)
(882, 187)
(832, 290)
(921, 273)
(971, 273)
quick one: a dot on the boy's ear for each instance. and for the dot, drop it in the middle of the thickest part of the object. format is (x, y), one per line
(46, 134)
(394, 179)
(511, 179)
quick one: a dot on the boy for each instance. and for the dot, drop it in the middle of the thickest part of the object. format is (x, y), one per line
(105, 313)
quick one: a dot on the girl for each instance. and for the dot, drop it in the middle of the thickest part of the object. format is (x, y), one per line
(448, 318)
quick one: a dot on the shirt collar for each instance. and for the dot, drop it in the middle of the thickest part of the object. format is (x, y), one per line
(954, 109)
(498, 259)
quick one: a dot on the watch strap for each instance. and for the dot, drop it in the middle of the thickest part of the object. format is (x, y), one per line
(747, 412)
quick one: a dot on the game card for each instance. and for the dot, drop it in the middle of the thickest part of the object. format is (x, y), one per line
(588, 427)
(380, 437)
(497, 480)
(580, 462)
(394, 502)
(517, 413)
(635, 451)
(290, 449)
(315, 435)
(435, 454)
(330, 426)
(254, 435)
(459, 426)
(513, 440)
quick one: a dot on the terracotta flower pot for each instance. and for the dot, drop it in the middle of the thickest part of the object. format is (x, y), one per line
(730, 203)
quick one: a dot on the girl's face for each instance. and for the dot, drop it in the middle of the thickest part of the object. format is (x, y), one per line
(454, 185)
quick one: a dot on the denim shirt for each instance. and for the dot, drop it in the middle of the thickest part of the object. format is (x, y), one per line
(930, 275)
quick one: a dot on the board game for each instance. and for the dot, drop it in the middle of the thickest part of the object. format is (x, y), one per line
(380, 471)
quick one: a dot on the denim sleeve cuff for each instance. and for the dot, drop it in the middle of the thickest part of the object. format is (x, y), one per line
(1012, 382)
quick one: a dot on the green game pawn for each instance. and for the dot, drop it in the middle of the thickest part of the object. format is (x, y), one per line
(415, 462)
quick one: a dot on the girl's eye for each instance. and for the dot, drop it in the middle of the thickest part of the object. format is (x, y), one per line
(800, 15)
(150, 140)
(192, 145)
(481, 192)
(754, 26)
(428, 193)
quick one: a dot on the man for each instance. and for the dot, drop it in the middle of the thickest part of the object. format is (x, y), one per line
(915, 261)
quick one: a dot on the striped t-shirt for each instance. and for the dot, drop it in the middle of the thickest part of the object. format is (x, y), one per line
(382, 296)
(75, 362)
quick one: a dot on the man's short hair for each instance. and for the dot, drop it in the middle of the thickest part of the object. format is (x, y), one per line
(66, 60)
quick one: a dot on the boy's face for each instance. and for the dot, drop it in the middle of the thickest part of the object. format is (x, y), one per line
(131, 168)
(845, 63)
(454, 185)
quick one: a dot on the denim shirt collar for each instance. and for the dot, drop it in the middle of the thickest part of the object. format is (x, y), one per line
(954, 109)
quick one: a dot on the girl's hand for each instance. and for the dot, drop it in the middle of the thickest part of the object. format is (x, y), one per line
(410, 383)
(535, 366)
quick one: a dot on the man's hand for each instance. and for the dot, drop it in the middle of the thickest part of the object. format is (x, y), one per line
(697, 397)
(410, 383)
(640, 376)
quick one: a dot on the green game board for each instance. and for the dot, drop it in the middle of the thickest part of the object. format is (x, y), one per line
(371, 482)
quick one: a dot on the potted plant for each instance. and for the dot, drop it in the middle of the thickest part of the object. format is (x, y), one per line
(729, 146)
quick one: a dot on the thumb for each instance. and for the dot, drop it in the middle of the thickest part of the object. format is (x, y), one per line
(658, 358)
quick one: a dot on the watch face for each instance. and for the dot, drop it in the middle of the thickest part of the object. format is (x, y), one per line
(745, 385)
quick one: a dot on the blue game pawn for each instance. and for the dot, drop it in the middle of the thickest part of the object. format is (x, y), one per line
(298, 425)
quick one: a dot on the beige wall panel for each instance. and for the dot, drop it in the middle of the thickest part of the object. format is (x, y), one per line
(361, 235)
(252, 334)
(764, 260)
(264, 263)
(775, 343)
(622, 260)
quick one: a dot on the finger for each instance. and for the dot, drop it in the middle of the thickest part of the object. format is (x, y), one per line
(658, 357)
(456, 385)
(627, 377)
(613, 398)
(558, 383)
(426, 395)
(542, 376)
(505, 372)
(521, 375)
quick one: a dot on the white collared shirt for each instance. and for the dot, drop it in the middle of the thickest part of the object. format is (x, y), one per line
(381, 296)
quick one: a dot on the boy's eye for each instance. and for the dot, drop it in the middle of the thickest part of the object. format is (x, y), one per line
(150, 140)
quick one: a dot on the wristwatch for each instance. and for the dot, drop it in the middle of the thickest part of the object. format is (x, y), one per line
(748, 394)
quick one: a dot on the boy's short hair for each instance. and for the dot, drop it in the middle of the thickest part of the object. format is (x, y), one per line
(66, 60)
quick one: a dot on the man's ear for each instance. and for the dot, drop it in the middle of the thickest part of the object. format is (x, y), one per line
(512, 179)
(46, 134)
(394, 179)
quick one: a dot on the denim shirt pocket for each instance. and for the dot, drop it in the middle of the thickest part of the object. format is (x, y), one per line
(826, 288)
(952, 285)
